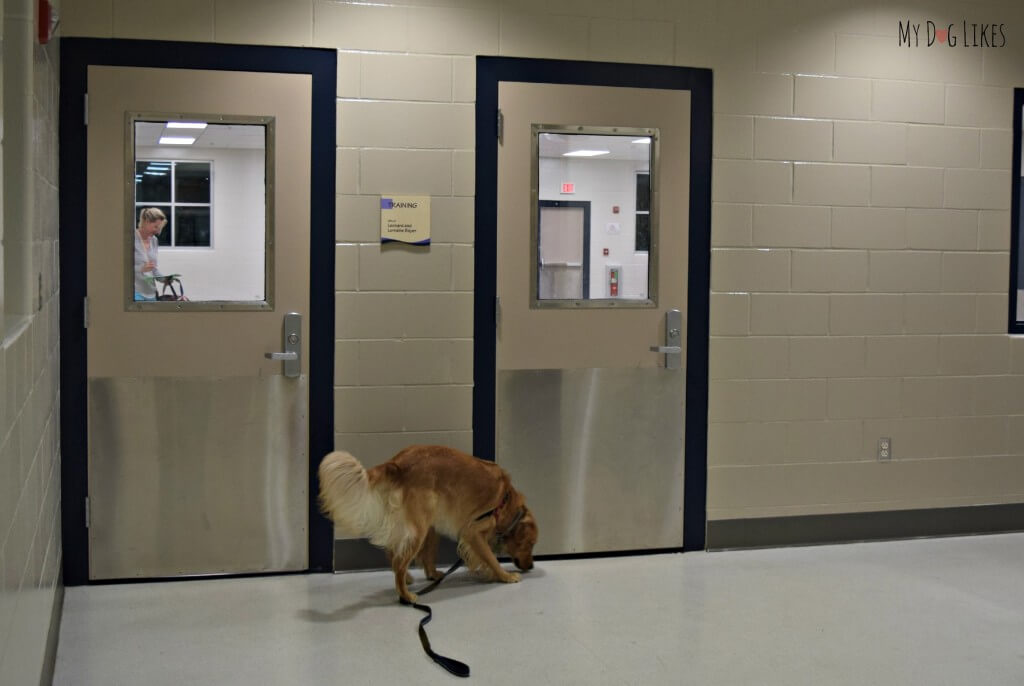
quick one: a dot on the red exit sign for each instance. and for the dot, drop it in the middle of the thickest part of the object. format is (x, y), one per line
(568, 188)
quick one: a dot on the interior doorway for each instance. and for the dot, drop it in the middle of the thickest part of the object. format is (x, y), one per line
(555, 401)
(181, 480)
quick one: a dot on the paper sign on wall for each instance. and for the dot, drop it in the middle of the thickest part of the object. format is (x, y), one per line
(405, 218)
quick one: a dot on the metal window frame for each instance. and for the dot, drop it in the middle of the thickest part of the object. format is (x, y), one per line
(651, 301)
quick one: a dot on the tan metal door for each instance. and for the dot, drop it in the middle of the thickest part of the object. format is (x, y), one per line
(198, 457)
(590, 422)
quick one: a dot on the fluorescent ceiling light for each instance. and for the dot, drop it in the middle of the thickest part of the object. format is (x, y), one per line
(186, 125)
(585, 153)
(177, 140)
(154, 173)
(643, 141)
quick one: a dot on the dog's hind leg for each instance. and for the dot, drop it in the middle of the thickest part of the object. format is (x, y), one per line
(400, 560)
(428, 554)
(391, 561)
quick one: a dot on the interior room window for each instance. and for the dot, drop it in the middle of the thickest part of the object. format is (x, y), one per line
(182, 191)
(594, 232)
(643, 212)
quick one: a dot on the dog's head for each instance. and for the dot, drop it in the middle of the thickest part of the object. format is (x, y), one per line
(520, 540)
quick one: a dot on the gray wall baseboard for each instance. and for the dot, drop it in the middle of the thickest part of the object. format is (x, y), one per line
(851, 527)
(356, 554)
(50, 656)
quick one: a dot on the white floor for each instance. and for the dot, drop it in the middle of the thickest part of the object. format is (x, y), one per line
(928, 612)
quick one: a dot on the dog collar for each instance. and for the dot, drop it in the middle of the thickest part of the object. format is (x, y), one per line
(515, 522)
(487, 514)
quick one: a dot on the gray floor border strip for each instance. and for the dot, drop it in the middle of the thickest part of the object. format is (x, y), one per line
(723, 534)
(767, 532)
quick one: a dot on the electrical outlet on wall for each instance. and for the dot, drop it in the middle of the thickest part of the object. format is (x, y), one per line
(884, 449)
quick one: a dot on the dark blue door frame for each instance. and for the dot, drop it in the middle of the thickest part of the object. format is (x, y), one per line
(77, 54)
(1016, 200)
(489, 72)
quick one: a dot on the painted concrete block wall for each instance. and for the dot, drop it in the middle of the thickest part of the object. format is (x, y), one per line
(30, 548)
(860, 226)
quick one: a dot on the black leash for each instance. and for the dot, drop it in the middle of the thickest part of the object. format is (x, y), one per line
(457, 668)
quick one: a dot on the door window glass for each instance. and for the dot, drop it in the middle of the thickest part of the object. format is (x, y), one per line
(200, 228)
(594, 230)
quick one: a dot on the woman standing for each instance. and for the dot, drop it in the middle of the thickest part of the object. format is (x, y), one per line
(151, 223)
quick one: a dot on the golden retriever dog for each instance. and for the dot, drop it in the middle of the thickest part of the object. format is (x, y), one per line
(403, 504)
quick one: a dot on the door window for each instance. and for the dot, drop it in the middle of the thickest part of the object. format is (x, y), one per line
(594, 233)
(200, 220)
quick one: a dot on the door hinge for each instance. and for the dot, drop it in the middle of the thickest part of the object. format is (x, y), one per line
(501, 128)
(85, 312)
(87, 512)
(497, 311)
(85, 116)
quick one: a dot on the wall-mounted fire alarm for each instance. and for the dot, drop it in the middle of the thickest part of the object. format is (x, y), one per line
(47, 21)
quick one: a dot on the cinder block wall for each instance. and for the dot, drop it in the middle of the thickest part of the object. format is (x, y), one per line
(30, 547)
(861, 227)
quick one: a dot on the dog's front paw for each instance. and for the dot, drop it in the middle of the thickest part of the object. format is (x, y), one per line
(511, 577)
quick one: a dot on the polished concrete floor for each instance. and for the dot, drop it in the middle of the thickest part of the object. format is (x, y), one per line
(929, 612)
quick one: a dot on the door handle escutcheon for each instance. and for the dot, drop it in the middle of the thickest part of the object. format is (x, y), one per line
(673, 348)
(292, 346)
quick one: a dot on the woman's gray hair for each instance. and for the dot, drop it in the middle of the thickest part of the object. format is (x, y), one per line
(151, 214)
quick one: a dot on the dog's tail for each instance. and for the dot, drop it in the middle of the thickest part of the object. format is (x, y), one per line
(348, 498)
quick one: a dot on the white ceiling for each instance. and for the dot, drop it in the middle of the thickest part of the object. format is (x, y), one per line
(618, 147)
(248, 136)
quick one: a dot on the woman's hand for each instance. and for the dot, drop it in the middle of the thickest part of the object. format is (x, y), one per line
(149, 266)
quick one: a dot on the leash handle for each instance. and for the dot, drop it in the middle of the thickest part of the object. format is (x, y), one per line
(459, 669)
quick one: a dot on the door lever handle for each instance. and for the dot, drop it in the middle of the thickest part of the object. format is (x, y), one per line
(281, 356)
(667, 349)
